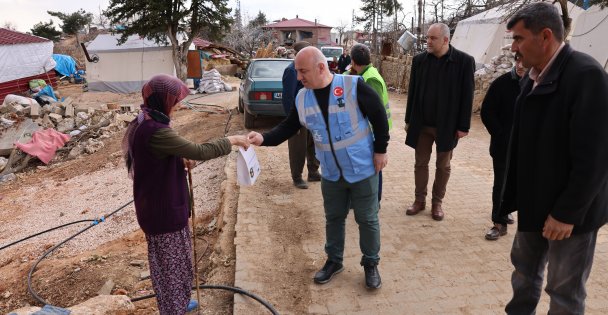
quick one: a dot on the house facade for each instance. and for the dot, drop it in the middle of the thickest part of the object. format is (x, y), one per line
(287, 32)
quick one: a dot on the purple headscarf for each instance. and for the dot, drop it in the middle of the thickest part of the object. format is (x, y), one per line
(160, 95)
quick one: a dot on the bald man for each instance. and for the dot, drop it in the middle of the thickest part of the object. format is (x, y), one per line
(338, 111)
(439, 103)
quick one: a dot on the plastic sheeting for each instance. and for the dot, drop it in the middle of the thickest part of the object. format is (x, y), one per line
(66, 65)
(25, 60)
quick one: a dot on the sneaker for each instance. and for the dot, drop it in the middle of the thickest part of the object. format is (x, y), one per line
(300, 183)
(192, 305)
(372, 276)
(314, 177)
(496, 232)
(327, 272)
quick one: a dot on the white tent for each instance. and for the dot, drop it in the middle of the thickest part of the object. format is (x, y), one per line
(23, 57)
(589, 36)
(125, 68)
(483, 35)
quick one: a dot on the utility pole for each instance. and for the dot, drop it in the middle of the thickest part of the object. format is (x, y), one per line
(419, 28)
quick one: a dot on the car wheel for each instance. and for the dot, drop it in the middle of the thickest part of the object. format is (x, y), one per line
(248, 118)
(241, 109)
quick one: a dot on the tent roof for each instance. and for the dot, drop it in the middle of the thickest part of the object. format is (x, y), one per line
(491, 16)
(10, 37)
(109, 43)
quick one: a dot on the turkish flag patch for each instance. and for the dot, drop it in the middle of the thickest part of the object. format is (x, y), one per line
(338, 91)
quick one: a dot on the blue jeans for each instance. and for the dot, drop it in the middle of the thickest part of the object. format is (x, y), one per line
(362, 197)
(569, 264)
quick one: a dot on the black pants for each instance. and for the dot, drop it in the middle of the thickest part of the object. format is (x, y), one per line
(301, 149)
(499, 176)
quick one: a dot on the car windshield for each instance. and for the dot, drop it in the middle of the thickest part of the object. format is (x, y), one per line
(331, 52)
(268, 68)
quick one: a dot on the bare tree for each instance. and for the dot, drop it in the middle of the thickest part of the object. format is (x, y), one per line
(10, 25)
(246, 39)
(341, 30)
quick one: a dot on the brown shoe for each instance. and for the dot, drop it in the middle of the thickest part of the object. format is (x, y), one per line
(436, 212)
(415, 208)
(496, 232)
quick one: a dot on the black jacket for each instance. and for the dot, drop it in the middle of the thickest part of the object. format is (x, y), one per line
(558, 155)
(454, 109)
(497, 112)
(343, 62)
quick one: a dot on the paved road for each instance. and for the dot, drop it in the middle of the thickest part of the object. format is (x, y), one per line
(427, 267)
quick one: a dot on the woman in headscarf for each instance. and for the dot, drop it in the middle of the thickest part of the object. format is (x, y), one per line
(155, 156)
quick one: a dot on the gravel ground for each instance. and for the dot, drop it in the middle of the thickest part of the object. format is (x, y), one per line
(51, 203)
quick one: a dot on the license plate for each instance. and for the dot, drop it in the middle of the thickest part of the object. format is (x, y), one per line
(278, 95)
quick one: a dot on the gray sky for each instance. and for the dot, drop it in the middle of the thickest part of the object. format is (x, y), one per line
(25, 13)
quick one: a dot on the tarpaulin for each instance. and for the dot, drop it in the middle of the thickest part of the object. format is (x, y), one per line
(66, 65)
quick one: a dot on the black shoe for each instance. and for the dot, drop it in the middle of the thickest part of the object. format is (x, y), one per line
(496, 232)
(300, 183)
(510, 219)
(314, 177)
(327, 272)
(372, 276)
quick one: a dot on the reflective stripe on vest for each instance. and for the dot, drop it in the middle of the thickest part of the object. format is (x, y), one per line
(348, 132)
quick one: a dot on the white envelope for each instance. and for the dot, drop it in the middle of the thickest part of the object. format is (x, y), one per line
(247, 167)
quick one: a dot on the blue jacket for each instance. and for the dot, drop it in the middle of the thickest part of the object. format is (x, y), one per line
(343, 145)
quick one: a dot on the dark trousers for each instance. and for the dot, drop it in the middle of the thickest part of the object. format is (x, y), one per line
(379, 186)
(499, 176)
(362, 197)
(424, 148)
(569, 264)
(302, 148)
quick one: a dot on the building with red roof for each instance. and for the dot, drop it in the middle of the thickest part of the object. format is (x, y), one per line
(287, 32)
(24, 57)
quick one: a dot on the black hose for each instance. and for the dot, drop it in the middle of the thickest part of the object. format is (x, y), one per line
(45, 231)
(222, 287)
(49, 251)
(29, 275)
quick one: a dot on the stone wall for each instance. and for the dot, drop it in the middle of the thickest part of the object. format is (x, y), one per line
(489, 72)
(395, 71)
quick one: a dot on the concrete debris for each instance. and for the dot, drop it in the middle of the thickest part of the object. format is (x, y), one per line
(7, 178)
(93, 146)
(7, 294)
(107, 288)
(65, 125)
(55, 118)
(104, 305)
(144, 275)
(5, 122)
(3, 161)
(137, 263)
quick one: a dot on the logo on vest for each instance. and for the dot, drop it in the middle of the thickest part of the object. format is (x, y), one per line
(338, 91)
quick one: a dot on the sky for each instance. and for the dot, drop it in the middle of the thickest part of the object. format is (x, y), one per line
(25, 13)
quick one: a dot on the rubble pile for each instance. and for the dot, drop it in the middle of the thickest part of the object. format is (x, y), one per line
(498, 66)
(88, 126)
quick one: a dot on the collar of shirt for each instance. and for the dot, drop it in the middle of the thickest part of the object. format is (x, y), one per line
(538, 77)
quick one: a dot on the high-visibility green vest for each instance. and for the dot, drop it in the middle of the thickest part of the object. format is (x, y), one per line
(372, 72)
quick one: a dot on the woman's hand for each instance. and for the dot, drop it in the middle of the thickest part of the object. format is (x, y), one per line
(189, 164)
(241, 141)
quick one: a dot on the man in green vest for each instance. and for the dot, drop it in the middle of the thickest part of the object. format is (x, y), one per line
(361, 65)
